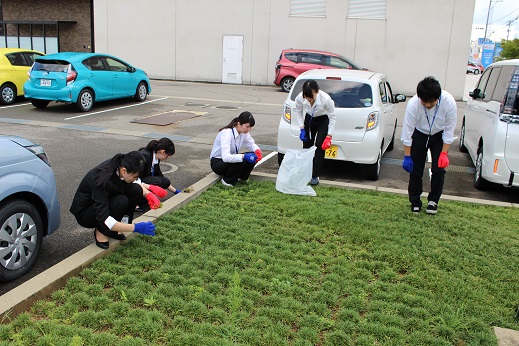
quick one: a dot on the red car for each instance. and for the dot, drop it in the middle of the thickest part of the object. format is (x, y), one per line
(474, 68)
(293, 62)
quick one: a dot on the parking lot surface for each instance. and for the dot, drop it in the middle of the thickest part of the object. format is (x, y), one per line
(190, 114)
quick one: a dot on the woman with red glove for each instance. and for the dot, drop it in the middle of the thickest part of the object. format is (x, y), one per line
(226, 159)
(106, 194)
(315, 113)
(154, 153)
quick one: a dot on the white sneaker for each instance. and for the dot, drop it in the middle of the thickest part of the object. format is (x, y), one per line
(226, 184)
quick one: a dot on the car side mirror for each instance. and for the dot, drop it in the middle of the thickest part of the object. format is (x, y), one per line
(399, 98)
(475, 94)
(131, 69)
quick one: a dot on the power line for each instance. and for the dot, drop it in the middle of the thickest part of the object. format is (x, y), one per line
(517, 9)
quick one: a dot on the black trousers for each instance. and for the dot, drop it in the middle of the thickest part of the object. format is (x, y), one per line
(119, 205)
(231, 172)
(422, 142)
(316, 129)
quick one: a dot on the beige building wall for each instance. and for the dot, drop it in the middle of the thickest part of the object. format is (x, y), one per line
(183, 39)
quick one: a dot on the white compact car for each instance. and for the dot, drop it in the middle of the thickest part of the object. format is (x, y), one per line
(490, 127)
(365, 124)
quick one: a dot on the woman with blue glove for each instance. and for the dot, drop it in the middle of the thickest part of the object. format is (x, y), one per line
(154, 153)
(226, 159)
(315, 114)
(106, 194)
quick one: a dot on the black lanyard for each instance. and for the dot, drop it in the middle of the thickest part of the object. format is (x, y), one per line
(235, 143)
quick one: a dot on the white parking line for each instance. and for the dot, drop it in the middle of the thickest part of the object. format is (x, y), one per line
(22, 104)
(114, 109)
(225, 101)
(266, 158)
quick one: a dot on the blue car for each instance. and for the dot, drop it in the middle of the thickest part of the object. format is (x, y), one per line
(29, 206)
(82, 79)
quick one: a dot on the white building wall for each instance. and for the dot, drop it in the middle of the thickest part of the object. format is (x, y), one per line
(183, 39)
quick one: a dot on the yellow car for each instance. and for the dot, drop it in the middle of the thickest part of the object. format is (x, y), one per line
(14, 66)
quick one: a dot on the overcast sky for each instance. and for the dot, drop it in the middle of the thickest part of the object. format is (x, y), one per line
(500, 14)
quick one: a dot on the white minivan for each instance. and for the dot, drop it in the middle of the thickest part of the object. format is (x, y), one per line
(490, 127)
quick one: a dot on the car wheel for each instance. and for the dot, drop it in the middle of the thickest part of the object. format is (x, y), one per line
(39, 103)
(286, 83)
(7, 94)
(479, 182)
(280, 158)
(142, 92)
(85, 100)
(463, 149)
(21, 236)
(374, 169)
(391, 145)
(476, 71)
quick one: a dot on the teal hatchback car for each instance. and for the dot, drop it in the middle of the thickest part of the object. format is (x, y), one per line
(82, 79)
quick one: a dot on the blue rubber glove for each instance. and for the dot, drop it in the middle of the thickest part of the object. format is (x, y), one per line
(407, 164)
(302, 135)
(177, 191)
(250, 157)
(146, 228)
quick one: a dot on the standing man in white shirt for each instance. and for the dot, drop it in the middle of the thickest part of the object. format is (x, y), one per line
(315, 113)
(429, 122)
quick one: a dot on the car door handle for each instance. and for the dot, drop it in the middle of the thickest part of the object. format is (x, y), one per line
(488, 110)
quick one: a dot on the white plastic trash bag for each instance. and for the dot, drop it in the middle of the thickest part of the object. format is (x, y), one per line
(295, 172)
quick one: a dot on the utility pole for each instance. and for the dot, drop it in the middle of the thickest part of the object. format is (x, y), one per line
(488, 14)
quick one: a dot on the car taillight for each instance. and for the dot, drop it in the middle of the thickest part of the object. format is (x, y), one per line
(372, 121)
(71, 76)
(287, 114)
(38, 151)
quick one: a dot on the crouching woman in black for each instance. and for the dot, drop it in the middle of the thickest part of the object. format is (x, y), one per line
(106, 194)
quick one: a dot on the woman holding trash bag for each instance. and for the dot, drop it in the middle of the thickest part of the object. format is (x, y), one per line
(315, 113)
(225, 157)
(155, 152)
(106, 194)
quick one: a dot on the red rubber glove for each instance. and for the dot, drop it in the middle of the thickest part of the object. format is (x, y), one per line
(159, 191)
(443, 161)
(327, 143)
(153, 201)
(258, 154)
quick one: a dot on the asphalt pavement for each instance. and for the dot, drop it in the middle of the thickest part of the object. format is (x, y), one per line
(76, 142)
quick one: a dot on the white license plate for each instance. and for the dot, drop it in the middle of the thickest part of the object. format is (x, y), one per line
(45, 82)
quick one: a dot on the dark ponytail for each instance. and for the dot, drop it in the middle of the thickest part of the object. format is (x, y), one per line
(243, 118)
(163, 143)
(133, 162)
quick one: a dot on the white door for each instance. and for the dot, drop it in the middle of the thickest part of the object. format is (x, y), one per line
(232, 59)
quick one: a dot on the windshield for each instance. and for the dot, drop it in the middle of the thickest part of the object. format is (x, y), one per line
(51, 66)
(345, 94)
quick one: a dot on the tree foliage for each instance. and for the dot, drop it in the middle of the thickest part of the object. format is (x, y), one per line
(510, 49)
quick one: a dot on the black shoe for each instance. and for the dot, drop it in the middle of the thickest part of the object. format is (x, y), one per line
(432, 208)
(102, 244)
(118, 236)
(415, 209)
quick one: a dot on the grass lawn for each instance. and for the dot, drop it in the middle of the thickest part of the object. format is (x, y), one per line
(251, 266)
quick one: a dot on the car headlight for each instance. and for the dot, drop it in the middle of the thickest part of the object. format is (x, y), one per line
(287, 114)
(509, 118)
(372, 121)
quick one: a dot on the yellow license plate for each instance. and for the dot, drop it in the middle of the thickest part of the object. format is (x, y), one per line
(331, 152)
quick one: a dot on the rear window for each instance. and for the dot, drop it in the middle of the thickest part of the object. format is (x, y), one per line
(51, 65)
(291, 56)
(345, 94)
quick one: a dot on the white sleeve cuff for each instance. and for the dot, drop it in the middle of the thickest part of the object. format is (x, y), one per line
(110, 222)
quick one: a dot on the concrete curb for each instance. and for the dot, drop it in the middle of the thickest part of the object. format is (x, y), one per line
(41, 286)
